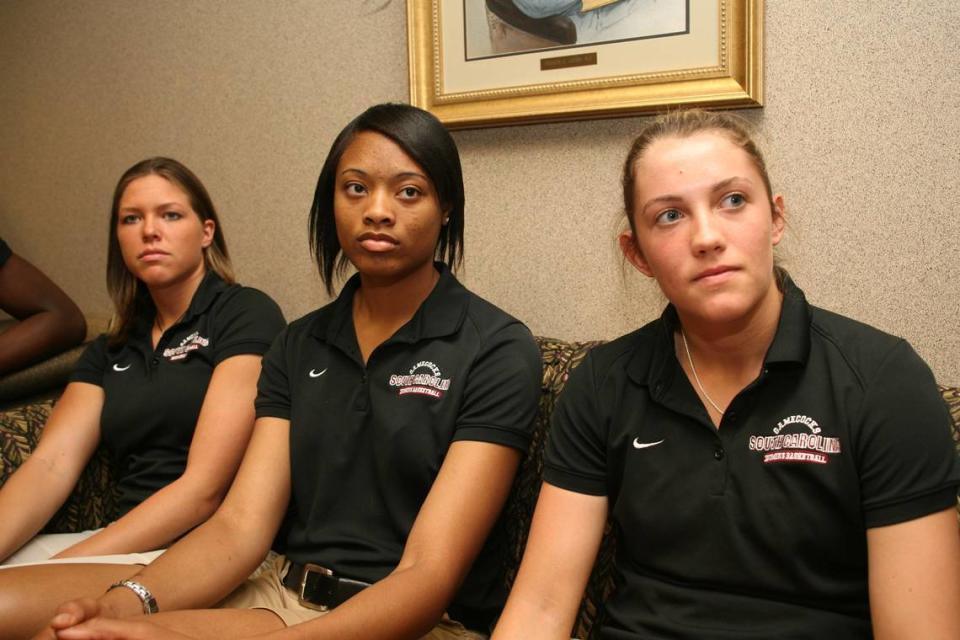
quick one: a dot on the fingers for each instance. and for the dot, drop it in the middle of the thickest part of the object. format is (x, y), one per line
(74, 612)
(46, 633)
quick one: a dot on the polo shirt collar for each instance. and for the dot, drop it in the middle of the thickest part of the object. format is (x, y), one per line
(791, 342)
(441, 313)
(210, 287)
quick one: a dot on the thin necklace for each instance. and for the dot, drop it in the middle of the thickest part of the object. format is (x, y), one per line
(156, 322)
(706, 395)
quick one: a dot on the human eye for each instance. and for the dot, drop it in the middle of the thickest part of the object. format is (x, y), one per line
(410, 192)
(734, 200)
(172, 215)
(670, 216)
(129, 218)
(354, 188)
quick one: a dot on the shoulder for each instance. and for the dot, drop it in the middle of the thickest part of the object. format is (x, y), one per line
(490, 324)
(292, 336)
(484, 317)
(634, 350)
(237, 296)
(864, 349)
(90, 366)
(305, 324)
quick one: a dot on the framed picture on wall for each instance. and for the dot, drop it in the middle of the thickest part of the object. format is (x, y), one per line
(476, 63)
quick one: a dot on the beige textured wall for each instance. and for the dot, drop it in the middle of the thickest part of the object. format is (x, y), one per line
(862, 125)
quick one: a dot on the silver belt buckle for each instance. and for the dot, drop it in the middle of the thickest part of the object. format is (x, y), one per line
(307, 570)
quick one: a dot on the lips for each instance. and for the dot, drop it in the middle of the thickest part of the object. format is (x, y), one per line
(152, 255)
(714, 274)
(377, 242)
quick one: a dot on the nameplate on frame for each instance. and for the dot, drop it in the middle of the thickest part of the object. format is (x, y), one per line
(565, 62)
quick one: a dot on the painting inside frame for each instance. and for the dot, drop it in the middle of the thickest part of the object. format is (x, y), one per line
(510, 27)
(486, 62)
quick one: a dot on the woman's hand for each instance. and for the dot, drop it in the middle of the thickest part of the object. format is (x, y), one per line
(68, 615)
(83, 620)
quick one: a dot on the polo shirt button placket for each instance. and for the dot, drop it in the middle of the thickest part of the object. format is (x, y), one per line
(363, 398)
(720, 470)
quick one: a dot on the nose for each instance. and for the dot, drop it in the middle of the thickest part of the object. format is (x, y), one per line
(379, 211)
(707, 233)
(149, 228)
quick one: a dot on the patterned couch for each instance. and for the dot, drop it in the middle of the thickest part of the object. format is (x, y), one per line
(21, 423)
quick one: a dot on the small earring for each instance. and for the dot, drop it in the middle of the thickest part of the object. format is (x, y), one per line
(445, 221)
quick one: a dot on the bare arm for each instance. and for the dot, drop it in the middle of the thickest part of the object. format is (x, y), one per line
(448, 534)
(213, 559)
(49, 320)
(39, 487)
(914, 574)
(222, 433)
(564, 537)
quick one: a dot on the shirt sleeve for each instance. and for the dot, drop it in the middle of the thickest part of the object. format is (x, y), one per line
(92, 363)
(502, 390)
(5, 252)
(273, 388)
(575, 456)
(908, 465)
(247, 322)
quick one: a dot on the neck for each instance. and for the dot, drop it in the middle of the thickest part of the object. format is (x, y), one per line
(721, 359)
(392, 301)
(172, 300)
(739, 344)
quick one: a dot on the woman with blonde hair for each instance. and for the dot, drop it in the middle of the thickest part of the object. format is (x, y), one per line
(770, 469)
(168, 390)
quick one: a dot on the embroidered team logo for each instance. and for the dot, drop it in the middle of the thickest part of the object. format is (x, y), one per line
(191, 343)
(802, 443)
(424, 379)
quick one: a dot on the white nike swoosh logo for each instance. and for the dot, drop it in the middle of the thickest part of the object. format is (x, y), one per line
(313, 373)
(117, 367)
(643, 445)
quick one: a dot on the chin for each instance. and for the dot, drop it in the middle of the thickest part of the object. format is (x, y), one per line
(722, 309)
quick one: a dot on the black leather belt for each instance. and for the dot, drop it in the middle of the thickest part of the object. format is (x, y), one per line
(318, 588)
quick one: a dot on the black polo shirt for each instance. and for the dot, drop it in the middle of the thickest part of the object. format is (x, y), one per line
(755, 530)
(366, 442)
(152, 397)
(5, 252)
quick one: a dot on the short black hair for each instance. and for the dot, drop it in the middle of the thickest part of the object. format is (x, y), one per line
(429, 144)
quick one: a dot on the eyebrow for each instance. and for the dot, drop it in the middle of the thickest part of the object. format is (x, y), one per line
(402, 174)
(719, 186)
(159, 206)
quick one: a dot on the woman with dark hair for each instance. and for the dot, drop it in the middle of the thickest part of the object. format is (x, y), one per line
(389, 427)
(770, 469)
(169, 391)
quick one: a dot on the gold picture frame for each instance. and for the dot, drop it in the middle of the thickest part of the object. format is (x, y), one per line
(716, 62)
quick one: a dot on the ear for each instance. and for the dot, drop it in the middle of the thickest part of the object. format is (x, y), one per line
(631, 251)
(209, 226)
(779, 218)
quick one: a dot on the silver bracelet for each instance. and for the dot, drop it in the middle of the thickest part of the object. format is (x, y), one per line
(146, 598)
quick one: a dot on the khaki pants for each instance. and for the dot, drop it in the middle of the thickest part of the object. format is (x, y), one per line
(264, 590)
(43, 547)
